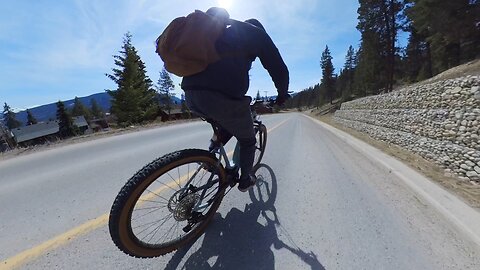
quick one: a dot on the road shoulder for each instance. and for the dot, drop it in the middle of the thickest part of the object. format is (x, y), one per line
(457, 210)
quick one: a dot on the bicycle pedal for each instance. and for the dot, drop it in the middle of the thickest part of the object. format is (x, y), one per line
(187, 228)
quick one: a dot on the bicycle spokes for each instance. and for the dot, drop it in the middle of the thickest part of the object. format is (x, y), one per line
(174, 203)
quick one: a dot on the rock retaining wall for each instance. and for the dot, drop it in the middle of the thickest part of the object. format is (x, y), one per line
(440, 121)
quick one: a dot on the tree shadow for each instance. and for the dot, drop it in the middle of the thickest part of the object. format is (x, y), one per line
(243, 239)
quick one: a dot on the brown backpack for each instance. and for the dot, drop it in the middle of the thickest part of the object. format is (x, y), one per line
(187, 45)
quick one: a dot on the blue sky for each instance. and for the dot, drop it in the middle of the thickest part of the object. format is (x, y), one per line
(56, 50)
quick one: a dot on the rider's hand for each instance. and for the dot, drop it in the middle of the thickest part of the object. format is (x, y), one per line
(281, 99)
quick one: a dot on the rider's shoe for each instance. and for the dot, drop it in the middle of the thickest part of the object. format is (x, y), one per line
(246, 184)
(232, 176)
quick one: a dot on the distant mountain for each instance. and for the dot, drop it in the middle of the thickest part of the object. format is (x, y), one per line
(49, 111)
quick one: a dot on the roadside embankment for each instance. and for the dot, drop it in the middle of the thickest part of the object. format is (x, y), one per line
(438, 121)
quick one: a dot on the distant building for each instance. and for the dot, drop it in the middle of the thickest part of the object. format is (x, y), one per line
(37, 133)
(43, 132)
(262, 107)
(175, 114)
(81, 123)
(99, 124)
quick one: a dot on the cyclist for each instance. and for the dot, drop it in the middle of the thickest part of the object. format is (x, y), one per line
(219, 91)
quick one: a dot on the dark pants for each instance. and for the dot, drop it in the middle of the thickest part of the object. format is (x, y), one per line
(233, 115)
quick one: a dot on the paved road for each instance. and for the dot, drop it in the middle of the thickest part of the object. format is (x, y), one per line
(333, 209)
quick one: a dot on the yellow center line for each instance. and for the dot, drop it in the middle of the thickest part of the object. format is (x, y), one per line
(276, 126)
(62, 239)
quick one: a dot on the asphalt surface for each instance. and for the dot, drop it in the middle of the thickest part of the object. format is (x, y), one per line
(332, 208)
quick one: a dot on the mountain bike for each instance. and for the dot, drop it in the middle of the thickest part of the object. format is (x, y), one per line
(169, 202)
(228, 229)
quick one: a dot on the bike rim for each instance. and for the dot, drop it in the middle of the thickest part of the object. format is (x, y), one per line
(163, 209)
(260, 145)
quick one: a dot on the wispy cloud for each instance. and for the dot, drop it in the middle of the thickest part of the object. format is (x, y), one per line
(52, 50)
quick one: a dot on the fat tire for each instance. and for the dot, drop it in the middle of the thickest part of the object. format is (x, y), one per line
(120, 214)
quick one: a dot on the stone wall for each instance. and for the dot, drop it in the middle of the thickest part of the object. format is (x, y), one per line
(439, 121)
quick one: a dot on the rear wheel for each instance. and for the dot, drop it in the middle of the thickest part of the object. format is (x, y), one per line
(167, 204)
(264, 193)
(261, 137)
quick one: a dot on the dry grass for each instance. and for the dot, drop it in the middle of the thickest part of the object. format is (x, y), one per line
(469, 192)
(470, 68)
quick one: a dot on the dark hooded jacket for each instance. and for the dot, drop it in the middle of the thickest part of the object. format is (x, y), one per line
(239, 45)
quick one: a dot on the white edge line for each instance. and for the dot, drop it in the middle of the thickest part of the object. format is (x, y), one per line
(466, 218)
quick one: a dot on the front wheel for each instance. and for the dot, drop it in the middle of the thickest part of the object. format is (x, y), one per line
(261, 144)
(167, 204)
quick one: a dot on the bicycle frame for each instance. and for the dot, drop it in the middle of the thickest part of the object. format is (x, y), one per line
(230, 168)
(220, 150)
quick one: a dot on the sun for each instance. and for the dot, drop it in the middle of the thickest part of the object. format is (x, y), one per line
(226, 4)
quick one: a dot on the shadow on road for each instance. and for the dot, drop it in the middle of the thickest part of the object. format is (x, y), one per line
(244, 240)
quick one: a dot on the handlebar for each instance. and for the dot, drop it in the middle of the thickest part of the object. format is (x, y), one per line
(279, 101)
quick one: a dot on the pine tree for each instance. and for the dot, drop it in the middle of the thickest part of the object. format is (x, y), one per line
(340, 83)
(450, 28)
(378, 23)
(346, 77)
(65, 123)
(5, 135)
(184, 107)
(9, 117)
(80, 110)
(418, 62)
(370, 72)
(258, 97)
(328, 79)
(350, 59)
(165, 88)
(310, 97)
(97, 112)
(31, 120)
(134, 100)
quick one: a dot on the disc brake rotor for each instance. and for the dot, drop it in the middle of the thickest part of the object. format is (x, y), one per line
(182, 209)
